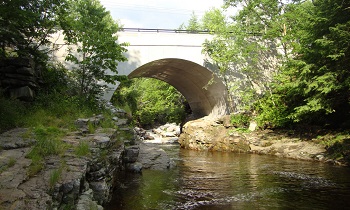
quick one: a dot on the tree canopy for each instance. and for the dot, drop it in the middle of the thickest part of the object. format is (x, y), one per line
(26, 25)
(91, 32)
(310, 79)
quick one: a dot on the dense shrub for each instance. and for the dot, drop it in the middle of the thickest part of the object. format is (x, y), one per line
(11, 113)
(151, 101)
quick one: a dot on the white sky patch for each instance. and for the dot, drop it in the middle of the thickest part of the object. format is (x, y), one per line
(160, 14)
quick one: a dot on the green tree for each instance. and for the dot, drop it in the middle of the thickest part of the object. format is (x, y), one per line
(91, 32)
(26, 26)
(241, 58)
(321, 69)
(193, 24)
(214, 21)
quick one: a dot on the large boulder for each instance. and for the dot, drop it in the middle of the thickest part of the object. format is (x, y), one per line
(208, 134)
(19, 78)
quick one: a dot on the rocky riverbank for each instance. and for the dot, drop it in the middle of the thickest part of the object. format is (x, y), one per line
(146, 154)
(72, 181)
(87, 181)
(217, 135)
(66, 181)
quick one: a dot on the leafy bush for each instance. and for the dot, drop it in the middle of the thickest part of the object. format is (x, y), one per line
(151, 101)
(271, 112)
(11, 113)
(240, 120)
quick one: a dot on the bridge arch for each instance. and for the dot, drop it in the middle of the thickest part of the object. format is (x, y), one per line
(204, 92)
(170, 56)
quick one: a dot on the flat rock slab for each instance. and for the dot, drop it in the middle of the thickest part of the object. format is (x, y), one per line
(16, 138)
(153, 157)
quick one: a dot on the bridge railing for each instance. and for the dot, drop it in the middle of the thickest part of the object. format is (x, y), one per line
(165, 30)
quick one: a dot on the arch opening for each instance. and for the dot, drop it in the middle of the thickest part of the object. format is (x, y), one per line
(204, 92)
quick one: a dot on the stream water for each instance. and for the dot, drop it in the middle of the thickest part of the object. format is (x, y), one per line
(216, 180)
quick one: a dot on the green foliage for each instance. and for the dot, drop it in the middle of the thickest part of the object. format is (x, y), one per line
(337, 145)
(12, 161)
(91, 29)
(35, 166)
(56, 104)
(127, 96)
(241, 58)
(26, 25)
(107, 121)
(239, 130)
(193, 24)
(314, 83)
(91, 127)
(48, 143)
(272, 112)
(240, 120)
(311, 85)
(11, 113)
(55, 176)
(151, 101)
(83, 149)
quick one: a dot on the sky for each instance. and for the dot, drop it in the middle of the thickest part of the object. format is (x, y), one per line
(157, 14)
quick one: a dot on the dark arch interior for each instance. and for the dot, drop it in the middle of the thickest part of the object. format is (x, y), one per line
(191, 80)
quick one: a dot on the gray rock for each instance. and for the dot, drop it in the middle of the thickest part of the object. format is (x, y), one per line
(101, 191)
(23, 93)
(14, 82)
(15, 139)
(152, 157)
(148, 136)
(86, 202)
(81, 122)
(121, 122)
(169, 134)
(131, 154)
(134, 167)
(102, 141)
(253, 125)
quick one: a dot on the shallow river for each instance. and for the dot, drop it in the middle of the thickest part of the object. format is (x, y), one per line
(215, 180)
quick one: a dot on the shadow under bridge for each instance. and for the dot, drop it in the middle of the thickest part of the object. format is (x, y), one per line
(205, 92)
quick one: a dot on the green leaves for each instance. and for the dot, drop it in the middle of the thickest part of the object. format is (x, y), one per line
(317, 69)
(312, 82)
(91, 29)
(151, 101)
(26, 26)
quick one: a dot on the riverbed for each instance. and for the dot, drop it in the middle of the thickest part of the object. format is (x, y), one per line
(224, 180)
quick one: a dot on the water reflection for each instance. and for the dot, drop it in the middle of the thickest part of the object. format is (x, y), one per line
(214, 180)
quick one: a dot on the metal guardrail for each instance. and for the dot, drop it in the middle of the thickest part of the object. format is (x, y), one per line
(165, 30)
(184, 31)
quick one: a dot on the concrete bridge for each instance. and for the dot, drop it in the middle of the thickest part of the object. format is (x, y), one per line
(175, 58)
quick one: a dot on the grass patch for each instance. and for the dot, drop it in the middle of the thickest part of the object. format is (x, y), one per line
(239, 130)
(12, 161)
(91, 127)
(36, 166)
(48, 143)
(83, 149)
(55, 176)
